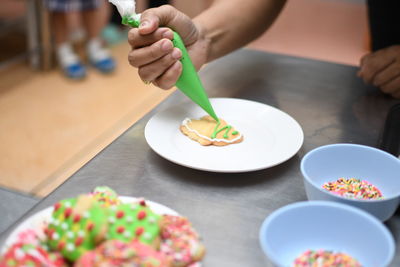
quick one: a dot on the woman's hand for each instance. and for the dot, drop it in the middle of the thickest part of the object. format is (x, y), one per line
(152, 49)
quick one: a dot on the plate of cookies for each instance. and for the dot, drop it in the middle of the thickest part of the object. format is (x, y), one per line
(103, 229)
(249, 136)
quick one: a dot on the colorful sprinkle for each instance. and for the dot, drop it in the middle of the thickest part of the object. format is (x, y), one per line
(353, 188)
(324, 258)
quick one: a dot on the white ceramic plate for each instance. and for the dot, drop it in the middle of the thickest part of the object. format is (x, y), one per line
(270, 136)
(40, 218)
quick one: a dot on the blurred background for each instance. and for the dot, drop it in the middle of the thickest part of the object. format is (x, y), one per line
(52, 123)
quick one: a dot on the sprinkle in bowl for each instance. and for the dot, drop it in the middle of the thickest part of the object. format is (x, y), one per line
(367, 165)
(325, 225)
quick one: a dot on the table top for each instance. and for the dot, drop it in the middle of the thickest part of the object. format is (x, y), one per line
(331, 104)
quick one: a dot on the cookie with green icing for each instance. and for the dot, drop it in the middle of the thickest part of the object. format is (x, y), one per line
(76, 226)
(134, 221)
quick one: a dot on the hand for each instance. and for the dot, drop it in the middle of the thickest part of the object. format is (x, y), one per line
(152, 49)
(382, 69)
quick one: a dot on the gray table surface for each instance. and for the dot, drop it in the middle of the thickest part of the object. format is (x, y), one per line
(331, 104)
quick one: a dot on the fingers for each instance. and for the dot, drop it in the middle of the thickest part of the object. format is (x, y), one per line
(396, 94)
(136, 40)
(155, 70)
(374, 63)
(392, 87)
(169, 78)
(386, 75)
(170, 17)
(148, 54)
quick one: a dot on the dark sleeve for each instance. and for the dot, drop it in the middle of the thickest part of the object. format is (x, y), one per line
(384, 22)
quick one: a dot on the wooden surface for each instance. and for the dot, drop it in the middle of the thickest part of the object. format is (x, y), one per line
(51, 126)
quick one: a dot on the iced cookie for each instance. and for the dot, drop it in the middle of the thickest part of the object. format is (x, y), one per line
(207, 131)
(134, 221)
(22, 255)
(118, 253)
(180, 241)
(77, 225)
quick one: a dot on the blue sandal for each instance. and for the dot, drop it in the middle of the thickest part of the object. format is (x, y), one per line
(105, 66)
(75, 71)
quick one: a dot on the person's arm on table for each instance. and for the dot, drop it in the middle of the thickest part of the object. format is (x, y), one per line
(227, 25)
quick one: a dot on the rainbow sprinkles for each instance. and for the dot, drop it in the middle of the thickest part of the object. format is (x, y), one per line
(207, 131)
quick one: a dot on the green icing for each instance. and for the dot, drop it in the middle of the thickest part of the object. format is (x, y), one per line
(67, 230)
(227, 128)
(11, 262)
(125, 227)
(235, 132)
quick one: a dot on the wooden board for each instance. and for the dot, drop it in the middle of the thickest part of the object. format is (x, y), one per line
(51, 126)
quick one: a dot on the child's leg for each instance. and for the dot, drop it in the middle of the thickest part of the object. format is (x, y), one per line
(66, 57)
(94, 20)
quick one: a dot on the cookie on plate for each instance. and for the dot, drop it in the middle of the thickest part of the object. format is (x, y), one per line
(207, 131)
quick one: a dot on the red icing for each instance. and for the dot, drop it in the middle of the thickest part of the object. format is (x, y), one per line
(57, 206)
(77, 218)
(61, 245)
(120, 214)
(67, 212)
(141, 215)
(79, 241)
(90, 226)
(139, 231)
(120, 229)
(142, 203)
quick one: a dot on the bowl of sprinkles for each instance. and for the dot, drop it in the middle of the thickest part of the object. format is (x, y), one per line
(325, 234)
(357, 175)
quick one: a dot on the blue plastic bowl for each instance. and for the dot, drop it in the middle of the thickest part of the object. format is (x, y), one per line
(328, 163)
(293, 229)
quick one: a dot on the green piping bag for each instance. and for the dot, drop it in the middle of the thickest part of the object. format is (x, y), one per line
(189, 82)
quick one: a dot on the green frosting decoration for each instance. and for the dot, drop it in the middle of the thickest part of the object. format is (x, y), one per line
(227, 128)
(133, 221)
(77, 225)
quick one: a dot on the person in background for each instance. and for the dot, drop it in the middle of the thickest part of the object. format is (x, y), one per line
(381, 67)
(231, 24)
(98, 56)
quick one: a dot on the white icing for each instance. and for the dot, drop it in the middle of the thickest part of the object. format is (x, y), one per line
(185, 124)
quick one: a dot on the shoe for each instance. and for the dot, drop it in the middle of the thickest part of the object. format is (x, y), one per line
(105, 65)
(70, 63)
(75, 71)
(100, 57)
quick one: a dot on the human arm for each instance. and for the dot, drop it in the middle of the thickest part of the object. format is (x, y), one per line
(224, 27)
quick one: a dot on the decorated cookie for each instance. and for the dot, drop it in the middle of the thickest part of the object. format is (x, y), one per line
(118, 253)
(77, 225)
(134, 221)
(180, 241)
(23, 255)
(105, 196)
(207, 131)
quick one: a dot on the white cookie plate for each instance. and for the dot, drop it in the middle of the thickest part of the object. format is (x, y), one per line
(271, 136)
(42, 217)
